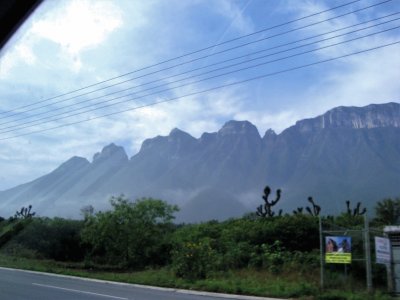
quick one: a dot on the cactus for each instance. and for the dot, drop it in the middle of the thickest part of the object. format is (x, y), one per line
(316, 209)
(298, 211)
(266, 209)
(24, 213)
(348, 207)
(357, 211)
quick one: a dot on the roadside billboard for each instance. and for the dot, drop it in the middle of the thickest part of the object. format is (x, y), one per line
(338, 250)
(382, 250)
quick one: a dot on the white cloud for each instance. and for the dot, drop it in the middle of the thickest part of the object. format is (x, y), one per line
(21, 53)
(6, 64)
(26, 54)
(80, 25)
(72, 26)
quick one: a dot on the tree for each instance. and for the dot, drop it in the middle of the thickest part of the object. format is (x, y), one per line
(87, 211)
(133, 234)
(388, 211)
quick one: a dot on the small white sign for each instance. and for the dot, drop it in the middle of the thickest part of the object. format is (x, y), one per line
(382, 250)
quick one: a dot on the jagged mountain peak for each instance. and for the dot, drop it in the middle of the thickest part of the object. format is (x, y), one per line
(175, 137)
(269, 136)
(238, 128)
(110, 151)
(270, 132)
(370, 116)
(176, 133)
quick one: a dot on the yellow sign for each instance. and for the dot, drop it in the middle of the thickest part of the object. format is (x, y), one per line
(338, 258)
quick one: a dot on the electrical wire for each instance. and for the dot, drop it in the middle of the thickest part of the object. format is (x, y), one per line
(203, 49)
(45, 119)
(186, 72)
(210, 89)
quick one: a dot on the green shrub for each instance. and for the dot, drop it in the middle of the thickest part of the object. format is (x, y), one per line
(273, 256)
(56, 238)
(11, 229)
(131, 235)
(237, 255)
(194, 260)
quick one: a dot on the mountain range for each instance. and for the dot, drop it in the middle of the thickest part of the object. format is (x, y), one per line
(348, 153)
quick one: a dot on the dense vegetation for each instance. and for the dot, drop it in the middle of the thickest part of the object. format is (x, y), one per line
(140, 235)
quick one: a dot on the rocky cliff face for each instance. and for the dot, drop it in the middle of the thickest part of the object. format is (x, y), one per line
(112, 154)
(347, 153)
(371, 116)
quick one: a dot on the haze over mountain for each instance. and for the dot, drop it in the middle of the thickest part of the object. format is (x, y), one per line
(348, 153)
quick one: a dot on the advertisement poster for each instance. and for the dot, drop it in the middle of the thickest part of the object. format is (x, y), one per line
(338, 250)
(382, 250)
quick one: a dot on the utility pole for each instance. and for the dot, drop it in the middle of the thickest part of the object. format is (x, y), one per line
(321, 251)
(367, 254)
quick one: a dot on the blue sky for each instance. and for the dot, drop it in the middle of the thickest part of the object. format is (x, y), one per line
(70, 44)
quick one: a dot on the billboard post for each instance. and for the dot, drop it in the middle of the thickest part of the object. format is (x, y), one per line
(321, 251)
(367, 254)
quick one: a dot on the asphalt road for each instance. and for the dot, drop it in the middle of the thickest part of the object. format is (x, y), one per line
(21, 285)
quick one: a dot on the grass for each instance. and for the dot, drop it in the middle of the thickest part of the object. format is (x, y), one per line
(246, 281)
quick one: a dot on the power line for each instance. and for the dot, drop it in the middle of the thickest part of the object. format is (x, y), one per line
(201, 50)
(200, 58)
(18, 127)
(210, 89)
(169, 77)
(47, 120)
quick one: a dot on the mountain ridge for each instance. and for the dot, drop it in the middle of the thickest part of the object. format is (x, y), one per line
(347, 152)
